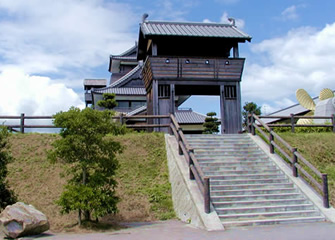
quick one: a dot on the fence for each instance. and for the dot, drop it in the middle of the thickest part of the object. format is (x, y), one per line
(297, 162)
(123, 119)
(293, 118)
(172, 126)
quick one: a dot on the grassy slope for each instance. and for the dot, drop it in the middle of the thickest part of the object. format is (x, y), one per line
(144, 188)
(318, 149)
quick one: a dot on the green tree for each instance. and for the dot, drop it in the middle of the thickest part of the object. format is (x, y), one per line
(108, 101)
(7, 196)
(249, 107)
(90, 157)
(211, 124)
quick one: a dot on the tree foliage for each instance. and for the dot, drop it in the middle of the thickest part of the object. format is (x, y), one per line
(211, 124)
(91, 157)
(7, 196)
(249, 107)
(108, 101)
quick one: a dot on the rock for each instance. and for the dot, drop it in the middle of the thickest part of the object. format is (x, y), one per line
(20, 219)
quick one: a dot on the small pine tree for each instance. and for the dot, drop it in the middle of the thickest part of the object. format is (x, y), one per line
(108, 101)
(7, 196)
(249, 107)
(211, 124)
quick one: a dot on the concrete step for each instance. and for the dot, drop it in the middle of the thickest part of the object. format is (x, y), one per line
(285, 214)
(241, 172)
(250, 186)
(246, 176)
(273, 221)
(242, 192)
(232, 152)
(218, 167)
(222, 145)
(249, 197)
(281, 179)
(263, 209)
(234, 163)
(260, 202)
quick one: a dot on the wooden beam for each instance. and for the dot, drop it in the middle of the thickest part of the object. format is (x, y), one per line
(222, 109)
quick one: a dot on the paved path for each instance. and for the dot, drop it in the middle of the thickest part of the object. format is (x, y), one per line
(175, 230)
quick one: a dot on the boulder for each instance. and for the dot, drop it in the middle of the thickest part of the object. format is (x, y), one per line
(20, 220)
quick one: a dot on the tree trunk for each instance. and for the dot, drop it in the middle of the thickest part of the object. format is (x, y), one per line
(79, 217)
(87, 216)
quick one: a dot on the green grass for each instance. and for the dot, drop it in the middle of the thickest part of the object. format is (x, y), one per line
(318, 148)
(143, 188)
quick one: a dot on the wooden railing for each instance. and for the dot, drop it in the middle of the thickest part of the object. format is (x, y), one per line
(296, 161)
(21, 126)
(195, 172)
(293, 124)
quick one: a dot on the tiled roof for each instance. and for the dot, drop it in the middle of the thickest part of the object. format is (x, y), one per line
(189, 117)
(121, 91)
(95, 82)
(124, 58)
(192, 29)
(134, 73)
(137, 111)
(130, 51)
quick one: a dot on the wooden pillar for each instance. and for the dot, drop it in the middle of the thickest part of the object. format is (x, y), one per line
(239, 106)
(172, 98)
(236, 53)
(222, 109)
(154, 49)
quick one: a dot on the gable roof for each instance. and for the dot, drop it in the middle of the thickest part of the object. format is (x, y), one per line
(132, 74)
(192, 29)
(189, 117)
(121, 91)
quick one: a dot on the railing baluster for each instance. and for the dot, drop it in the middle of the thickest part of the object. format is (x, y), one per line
(22, 123)
(292, 123)
(207, 195)
(294, 161)
(325, 191)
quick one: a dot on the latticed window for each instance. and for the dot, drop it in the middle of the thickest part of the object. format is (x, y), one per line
(163, 91)
(230, 92)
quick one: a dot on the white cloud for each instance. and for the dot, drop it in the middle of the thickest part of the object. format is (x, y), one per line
(304, 58)
(238, 22)
(224, 19)
(63, 39)
(48, 36)
(290, 13)
(34, 95)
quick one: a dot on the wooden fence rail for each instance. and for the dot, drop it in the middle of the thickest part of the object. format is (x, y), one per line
(297, 162)
(293, 125)
(21, 126)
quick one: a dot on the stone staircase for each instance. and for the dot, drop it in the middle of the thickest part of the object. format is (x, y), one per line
(247, 188)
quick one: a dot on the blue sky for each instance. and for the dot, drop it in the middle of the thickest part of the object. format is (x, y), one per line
(48, 47)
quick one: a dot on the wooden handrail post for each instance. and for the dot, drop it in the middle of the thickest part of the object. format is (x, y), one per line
(253, 131)
(22, 123)
(207, 195)
(294, 161)
(190, 163)
(333, 122)
(292, 122)
(271, 139)
(180, 150)
(325, 190)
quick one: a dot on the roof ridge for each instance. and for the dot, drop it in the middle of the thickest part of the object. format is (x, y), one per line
(125, 77)
(190, 23)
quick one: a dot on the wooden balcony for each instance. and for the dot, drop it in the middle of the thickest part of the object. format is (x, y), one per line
(192, 69)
